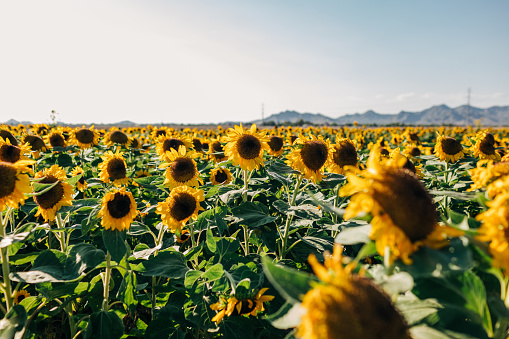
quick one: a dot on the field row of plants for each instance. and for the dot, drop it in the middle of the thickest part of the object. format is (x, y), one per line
(282, 232)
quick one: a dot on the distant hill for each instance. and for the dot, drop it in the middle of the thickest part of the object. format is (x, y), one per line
(436, 115)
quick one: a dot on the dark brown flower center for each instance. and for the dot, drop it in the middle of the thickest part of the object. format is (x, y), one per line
(249, 146)
(384, 152)
(8, 135)
(409, 165)
(221, 176)
(275, 143)
(135, 143)
(172, 143)
(35, 142)
(407, 202)
(415, 152)
(247, 307)
(413, 136)
(10, 153)
(314, 154)
(85, 136)
(487, 145)
(119, 137)
(56, 140)
(344, 154)
(182, 169)
(8, 179)
(197, 145)
(293, 138)
(183, 206)
(50, 198)
(119, 206)
(42, 130)
(116, 169)
(184, 236)
(218, 150)
(451, 146)
(160, 132)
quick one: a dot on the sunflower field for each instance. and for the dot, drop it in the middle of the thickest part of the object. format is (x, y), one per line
(254, 232)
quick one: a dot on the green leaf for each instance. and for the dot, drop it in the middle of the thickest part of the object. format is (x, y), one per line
(126, 291)
(104, 325)
(163, 327)
(425, 332)
(354, 235)
(13, 322)
(115, 243)
(290, 283)
(415, 310)
(168, 264)
(73, 180)
(211, 242)
(288, 316)
(252, 214)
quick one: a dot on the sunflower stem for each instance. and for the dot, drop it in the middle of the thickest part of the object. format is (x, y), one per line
(106, 283)
(154, 279)
(246, 240)
(244, 193)
(4, 256)
(289, 219)
(60, 235)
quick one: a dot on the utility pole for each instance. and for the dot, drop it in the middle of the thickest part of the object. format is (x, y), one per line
(468, 106)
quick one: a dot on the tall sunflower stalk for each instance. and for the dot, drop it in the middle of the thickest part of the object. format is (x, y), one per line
(4, 256)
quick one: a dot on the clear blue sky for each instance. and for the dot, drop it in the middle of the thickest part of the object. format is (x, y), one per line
(203, 61)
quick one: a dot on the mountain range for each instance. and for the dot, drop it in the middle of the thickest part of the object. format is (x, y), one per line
(436, 115)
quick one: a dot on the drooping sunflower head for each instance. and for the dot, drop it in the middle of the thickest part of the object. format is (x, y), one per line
(12, 153)
(55, 138)
(220, 176)
(309, 156)
(181, 168)
(15, 183)
(7, 135)
(344, 154)
(348, 306)
(36, 143)
(250, 303)
(412, 151)
(412, 137)
(57, 196)
(85, 137)
(245, 147)
(448, 149)
(81, 184)
(113, 168)
(182, 205)
(484, 147)
(167, 143)
(403, 211)
(216, 151)
(276, 144)
(20, 295)
(117, 137)
(118, 210)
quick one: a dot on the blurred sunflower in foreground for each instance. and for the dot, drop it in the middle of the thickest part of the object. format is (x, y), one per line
(118, 210)
(57, 196)
(345, 305)
(15, 183)
(492, 176)
(404, 216)
(182, 205)
(245, 147)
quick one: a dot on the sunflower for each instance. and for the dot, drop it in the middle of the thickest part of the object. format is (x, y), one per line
(220, 176)
(276, 144)
(216, 151)
(181, 168)
(113, 168)
(345, 305)
(245, 147)
(59, 195)
(492, 176)
(309, 156)
(448, 149)
(182, 205)
(343, 154)
(85, 137)
(183, 237)
(36, 144)
(117, 137)
(165, 144)
(495, 230)
(118, 210)
(20, 295)
(412, 137)
(142, 173)
(7, 135)
(404, 216)
(15, 183)
(484, 147)
(245, 305)
(81, 184)
(55, 138)
(12, 153)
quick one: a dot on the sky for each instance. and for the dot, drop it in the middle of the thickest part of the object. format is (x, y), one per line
(191, 62)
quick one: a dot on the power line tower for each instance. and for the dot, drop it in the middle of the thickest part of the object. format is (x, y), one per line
(468, 107)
